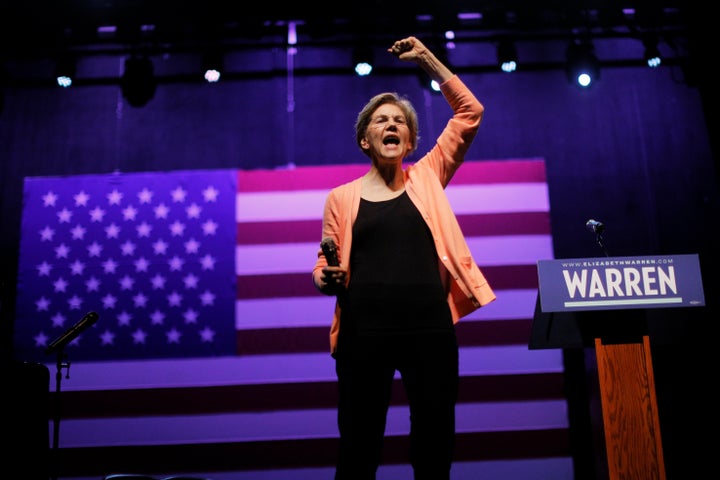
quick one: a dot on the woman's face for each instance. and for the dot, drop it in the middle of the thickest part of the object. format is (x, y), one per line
(387, 137)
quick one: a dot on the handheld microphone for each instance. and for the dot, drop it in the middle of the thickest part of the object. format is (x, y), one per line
(595, 226)
(59, 343)
(330, 251)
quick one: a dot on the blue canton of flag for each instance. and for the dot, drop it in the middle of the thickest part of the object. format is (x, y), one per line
(151, 253)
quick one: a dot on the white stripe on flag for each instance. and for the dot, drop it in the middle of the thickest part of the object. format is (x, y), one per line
(300, 257)
(280, 206)
(498, 198)
(317, 311)
(509, 305)
(465, 199)
(281, 368)
(292, 424)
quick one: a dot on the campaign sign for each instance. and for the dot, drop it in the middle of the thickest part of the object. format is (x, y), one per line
(606, 283)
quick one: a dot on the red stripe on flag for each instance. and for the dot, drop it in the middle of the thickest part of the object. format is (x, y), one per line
(501, 171)
(254, 233)
(327, 177)
(496, 224)
(267, 341)
(285, 396)
(300, 284)
(491, 224)
(307, 178)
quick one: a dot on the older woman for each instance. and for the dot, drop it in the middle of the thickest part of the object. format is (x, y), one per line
(405, 277)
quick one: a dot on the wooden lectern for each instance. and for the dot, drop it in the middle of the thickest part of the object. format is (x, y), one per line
(631, 423)
(630, 410)
(617, 329)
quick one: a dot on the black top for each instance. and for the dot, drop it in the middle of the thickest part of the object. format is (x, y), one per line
(395, 281)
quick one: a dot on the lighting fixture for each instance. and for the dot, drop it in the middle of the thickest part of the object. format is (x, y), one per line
(212, 66)
(363, 60)
(65, 71)
(138, 82)
(652, 55)
(582, 66)
(507, 56)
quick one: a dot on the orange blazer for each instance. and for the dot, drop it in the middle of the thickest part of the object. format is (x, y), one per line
(425, 183)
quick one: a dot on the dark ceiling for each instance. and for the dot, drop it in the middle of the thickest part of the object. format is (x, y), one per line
(41, 27)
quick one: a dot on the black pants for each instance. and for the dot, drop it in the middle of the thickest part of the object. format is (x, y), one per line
(365, 366)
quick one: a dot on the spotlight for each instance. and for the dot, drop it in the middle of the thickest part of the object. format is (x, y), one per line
(212, 67)
(507, 56)
(652, 55)
(449, 39)
(363, 60)
(426, 83)
(138, 81)
(65, 71)
(582, 66)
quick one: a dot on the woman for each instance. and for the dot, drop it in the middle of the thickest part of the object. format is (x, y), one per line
(406, 276)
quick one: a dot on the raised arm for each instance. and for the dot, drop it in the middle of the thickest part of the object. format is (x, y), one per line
(410, 49)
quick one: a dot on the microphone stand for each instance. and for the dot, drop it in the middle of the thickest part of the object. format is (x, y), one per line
(61, 363)
(601, 242)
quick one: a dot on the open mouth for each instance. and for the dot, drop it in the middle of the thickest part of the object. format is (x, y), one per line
(391, 140)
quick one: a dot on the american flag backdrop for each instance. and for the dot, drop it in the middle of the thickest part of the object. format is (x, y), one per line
(211, 352)
(152, 254)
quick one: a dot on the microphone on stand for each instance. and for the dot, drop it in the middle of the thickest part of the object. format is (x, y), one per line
(59, 343)
(595, 226)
